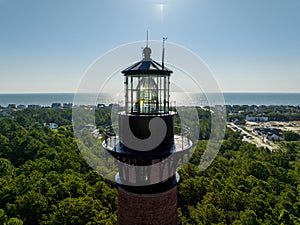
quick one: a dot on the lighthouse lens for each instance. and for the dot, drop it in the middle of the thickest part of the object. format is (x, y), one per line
(147, 98)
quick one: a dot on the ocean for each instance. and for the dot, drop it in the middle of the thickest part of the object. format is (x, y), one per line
(46, 99)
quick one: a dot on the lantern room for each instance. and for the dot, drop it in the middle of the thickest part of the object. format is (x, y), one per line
(147, 86)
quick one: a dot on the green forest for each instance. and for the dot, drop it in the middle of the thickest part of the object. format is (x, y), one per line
(45, 180)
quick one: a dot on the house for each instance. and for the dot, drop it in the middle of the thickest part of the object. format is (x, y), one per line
(101, 106)
(113, 106)
(52, 126)
(11, 106)
(273, 137)
(90, 127)
(6, 114)
(21, 107)
(272, 134)
(257, 118)
(34, 106)
(67, 105)
(56, 105)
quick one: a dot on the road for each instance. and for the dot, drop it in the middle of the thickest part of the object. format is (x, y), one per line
(249, 137)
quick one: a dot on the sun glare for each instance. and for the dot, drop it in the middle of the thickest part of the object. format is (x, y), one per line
(160, 8)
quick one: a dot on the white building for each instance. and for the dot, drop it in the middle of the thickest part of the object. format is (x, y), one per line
(257, 118)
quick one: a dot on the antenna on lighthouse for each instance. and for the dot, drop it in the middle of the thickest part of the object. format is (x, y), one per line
(163, 53)
(147, 39)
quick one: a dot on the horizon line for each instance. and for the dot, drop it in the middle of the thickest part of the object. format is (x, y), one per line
(224, 92)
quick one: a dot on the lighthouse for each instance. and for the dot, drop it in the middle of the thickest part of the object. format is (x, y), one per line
(147, 145)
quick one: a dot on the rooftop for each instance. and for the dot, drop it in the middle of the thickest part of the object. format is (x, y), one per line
(147, 66)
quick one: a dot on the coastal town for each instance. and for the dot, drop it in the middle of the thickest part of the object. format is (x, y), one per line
(265, 126)
(259, 152)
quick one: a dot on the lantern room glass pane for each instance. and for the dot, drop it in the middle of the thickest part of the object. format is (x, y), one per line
(147, 94)
(147, 98)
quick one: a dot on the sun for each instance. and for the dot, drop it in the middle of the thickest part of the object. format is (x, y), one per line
(160, 8)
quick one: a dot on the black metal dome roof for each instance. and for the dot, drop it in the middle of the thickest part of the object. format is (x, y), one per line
(147, 66)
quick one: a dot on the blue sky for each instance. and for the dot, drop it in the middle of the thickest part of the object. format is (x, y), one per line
(251, 46)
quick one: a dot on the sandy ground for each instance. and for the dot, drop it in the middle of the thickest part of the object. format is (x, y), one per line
(285, 126)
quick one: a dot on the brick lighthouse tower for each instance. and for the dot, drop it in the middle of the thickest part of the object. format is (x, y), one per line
(147, 146)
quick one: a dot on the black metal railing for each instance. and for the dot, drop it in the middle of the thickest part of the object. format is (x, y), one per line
(182, 139)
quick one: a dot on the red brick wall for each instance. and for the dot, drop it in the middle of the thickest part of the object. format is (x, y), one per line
(147, 209)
